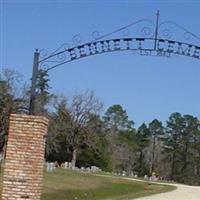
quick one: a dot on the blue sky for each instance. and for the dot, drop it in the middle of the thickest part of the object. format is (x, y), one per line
(147, 87)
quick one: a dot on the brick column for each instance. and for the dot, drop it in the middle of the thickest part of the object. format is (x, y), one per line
(23, 172)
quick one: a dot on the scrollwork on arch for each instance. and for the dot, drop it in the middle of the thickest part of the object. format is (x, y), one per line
(159, 39)
(170, 30)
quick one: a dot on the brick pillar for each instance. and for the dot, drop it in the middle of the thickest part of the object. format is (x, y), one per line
(23, 172)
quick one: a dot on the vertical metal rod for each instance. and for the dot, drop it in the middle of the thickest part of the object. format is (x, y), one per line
(156, 30)
(33, 84)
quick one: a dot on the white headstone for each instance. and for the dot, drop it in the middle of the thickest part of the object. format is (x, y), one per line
(83, 169)
(123, 173)
(66, 165)
(69, 165)
(50, 167)
(145, 177)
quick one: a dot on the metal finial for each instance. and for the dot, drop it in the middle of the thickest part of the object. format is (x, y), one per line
(158, 13)
(156, 30)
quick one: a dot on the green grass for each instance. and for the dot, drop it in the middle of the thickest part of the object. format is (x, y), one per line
(69, 185)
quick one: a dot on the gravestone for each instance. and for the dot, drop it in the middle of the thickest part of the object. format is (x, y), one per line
(66, 165)
(50, 167)
(83, 169)
(69, 165)
(146, 177)
(88, 169)
(123, 173)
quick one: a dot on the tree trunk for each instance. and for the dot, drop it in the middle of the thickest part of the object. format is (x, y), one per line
(141, 167)
(153, 156)
(198, 166)
(172, 167)
(74, 157)
(184, 167)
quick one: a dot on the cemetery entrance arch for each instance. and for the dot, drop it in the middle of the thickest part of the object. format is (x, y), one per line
(153, 39)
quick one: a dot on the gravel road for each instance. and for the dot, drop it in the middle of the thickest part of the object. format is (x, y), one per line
(183, 192)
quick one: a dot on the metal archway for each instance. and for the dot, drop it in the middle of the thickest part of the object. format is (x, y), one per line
(154, 43)
(145, 46)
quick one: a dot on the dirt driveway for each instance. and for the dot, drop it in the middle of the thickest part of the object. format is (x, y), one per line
(183, 192)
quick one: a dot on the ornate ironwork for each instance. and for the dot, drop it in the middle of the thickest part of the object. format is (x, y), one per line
(145, 46)
(143, 36)
(157, 40)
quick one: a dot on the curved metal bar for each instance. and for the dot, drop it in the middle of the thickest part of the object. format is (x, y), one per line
(146, 31)
(145, 46)
(180, 27)
(55, 66)
(124, 28)
(160, 33)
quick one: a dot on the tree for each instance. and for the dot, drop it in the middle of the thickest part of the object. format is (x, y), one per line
(142, 140)
(56, 142)
(72, 121)
(96, 154)
(43, 97)
(127, 146)
(181, 144)
(117, 126)
(172, 138)
(196, 154)
(156, 132)
(191, 129)
(116, 119)
(11, 101)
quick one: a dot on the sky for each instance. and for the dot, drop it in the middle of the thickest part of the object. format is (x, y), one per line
(147, 87)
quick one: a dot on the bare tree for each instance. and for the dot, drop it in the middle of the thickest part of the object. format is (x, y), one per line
(73, 120)
(12, 100)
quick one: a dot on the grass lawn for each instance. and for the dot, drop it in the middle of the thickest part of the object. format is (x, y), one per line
(69, 185)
